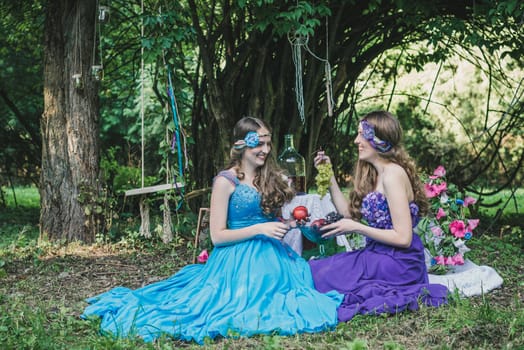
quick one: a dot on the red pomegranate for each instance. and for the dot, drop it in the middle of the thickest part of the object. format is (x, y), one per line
(300, 213)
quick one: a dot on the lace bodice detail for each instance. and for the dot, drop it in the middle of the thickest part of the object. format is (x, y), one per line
(375, 211)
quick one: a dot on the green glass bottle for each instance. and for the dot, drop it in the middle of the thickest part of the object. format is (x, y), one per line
(294, 165)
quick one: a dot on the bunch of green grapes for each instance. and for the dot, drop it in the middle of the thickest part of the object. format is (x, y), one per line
(325, 171)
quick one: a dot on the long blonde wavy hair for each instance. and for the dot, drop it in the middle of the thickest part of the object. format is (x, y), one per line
(269, 178)
(387, 128)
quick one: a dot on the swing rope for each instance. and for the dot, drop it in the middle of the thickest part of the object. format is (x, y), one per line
(176, 138)
(142, 103)
(144, 205)
(179, 187)
(327, 73)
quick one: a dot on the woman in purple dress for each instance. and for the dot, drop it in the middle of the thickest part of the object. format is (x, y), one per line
(389, 274)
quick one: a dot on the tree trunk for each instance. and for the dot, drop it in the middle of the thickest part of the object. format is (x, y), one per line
(70, 132)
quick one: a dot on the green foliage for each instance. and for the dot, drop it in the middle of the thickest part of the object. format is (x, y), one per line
(357, 344)
(232, 33)
(21, 196)
(19, 231)
(302, 17)
(233, 65)
(21, 86)
(446, 123)
(168, 43)
(120, 178)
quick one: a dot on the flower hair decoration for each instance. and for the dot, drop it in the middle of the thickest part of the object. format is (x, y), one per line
(251, 140)
(368, 131)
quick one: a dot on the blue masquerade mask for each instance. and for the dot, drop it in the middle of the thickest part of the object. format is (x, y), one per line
(368, 131)
(251, 140)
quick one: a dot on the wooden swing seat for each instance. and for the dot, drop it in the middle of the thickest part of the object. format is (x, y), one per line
(157, 188)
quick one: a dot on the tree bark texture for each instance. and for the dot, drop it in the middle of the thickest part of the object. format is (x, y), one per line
(70, 131)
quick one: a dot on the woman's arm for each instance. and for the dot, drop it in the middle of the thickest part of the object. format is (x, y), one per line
(396, 189)
(220, 234)
(399, 193)
(337, 197)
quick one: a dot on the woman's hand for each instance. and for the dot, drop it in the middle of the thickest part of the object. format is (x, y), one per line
(339, 227)
(274, 229)
(321, 158)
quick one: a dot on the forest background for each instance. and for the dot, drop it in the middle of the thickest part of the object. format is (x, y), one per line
(452, 72)
(182, 74)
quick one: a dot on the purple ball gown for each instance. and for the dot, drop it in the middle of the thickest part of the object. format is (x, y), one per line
(379, 278)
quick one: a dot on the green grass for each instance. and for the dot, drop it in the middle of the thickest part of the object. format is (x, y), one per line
(26, 196)
(503, 216)
(39, 309)
(19, 220)
(495, 203)
(43, 287)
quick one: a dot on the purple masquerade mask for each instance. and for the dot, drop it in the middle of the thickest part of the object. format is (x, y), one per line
(251, 140)
(368, 131)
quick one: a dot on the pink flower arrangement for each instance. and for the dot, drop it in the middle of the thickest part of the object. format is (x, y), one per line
(445, 231)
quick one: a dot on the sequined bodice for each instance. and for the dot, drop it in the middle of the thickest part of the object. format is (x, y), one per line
(244, 207)
(375, 211)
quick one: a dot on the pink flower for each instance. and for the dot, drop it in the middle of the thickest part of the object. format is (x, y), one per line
(457, 228)
(472, 224)
(437, 231)
(203, 256)
(458, 259)
(469, 200)
(431, 190)
(438, 172)
(442, 187)
(434, 190)
(440, 260)
(440, 213)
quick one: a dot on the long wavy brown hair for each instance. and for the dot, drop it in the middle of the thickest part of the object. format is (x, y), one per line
(269, 178)
(387, 128)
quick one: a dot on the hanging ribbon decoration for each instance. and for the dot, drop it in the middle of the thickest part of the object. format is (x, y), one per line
(329, 87)
(176, 122)
(176, 136)
(298, 41)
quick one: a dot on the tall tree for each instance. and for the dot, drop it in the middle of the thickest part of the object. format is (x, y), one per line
(250, 66)
(70, 123)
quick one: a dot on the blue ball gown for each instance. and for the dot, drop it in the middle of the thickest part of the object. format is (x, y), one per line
(379, 278)
(256, 286)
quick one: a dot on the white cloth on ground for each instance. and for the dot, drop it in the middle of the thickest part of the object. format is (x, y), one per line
(469, 279)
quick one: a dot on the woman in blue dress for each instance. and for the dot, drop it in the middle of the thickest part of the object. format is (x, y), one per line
(389, 274)
(251, 284)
